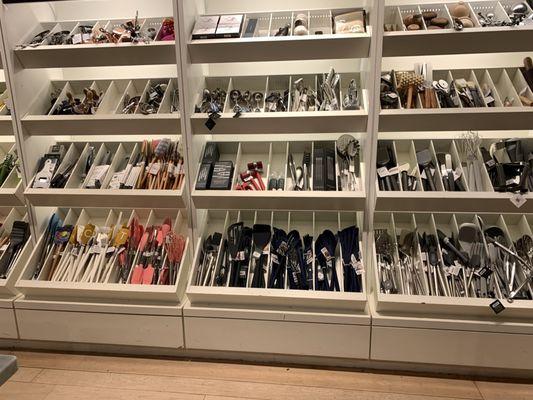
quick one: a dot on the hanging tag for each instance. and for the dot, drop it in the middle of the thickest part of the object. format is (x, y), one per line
(154, 169)
(110, 250)
(171, 169)
(240, 256)
(256, 254)
(360, 269)
(457, 174)
(423, 175)
(274, 258)
(326, 254)
(320, 275)
(394, 171)
(383, 172)
(497, 306)
(518, 200)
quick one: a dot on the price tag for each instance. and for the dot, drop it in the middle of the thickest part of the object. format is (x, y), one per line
(394, 171)
(383, 172)
(457, 174)
(256, 254)
(320, 275)
(171, 169)
(497, 306)
(326, 254)
(518, 200)
(154, 169)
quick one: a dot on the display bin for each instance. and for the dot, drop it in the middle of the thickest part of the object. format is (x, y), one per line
(263, 47)
(91, 54)
(479, 39)
(517, 116)
(280, 122)
(468, 325)
(274, 156)
(109, 118)
(76, 194)
(283, 311)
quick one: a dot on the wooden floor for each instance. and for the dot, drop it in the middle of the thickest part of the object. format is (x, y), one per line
(47, 376)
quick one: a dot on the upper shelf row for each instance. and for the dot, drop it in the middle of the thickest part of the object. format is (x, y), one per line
(269, 37)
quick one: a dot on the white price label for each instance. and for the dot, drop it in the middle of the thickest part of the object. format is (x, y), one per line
(457, 174)
(518, 200)
(383, 172)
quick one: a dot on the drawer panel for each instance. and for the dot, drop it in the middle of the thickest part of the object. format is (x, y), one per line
(278, 337)
(101, 328)
(8, 324)
(452, 347)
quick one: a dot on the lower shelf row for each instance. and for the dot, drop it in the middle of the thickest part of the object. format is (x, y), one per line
(456, 263)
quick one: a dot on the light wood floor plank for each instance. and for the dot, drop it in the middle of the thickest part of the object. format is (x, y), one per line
(87, 393)
(507, 391)
(255, 373)
(25, 374)
(12, 390)
(211, 387)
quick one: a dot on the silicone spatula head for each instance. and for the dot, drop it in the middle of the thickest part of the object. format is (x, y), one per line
(234, 238)
(261, 235)
(468, 235)
(423, 158)
(383, 157)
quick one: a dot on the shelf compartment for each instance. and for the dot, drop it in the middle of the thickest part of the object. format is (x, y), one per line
(116, 292)
(6, 121)
(485, 200)
(440, 307)
(108, 118)
(8, 216)
(97, 55)
(11, 190)
(515, 116)
(274, 156)
(280, 122)
(447, 41)
(75, 194)
(6, 125)
(264, 45)
(277, 299)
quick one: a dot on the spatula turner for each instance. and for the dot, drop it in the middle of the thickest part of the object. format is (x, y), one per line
(261, 235)
(424, 161)
(234, 234)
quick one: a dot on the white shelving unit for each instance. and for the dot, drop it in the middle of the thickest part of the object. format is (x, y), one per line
(442, 330)
(69, 312)
(318, 325)
(269, 64)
